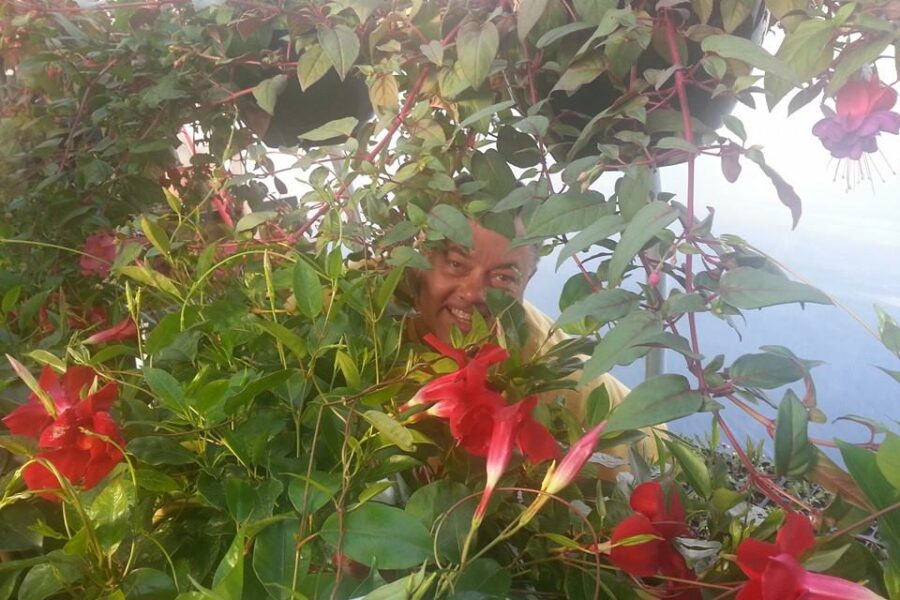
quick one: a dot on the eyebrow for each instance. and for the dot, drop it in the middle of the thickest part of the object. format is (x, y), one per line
(512, 265)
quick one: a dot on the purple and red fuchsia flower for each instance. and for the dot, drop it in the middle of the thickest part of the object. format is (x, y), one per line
(81, 440)
(863, 110)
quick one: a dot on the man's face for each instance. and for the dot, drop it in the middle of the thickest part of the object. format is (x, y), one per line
(458, 281)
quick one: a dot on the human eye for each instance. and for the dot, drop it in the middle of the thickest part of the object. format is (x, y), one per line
(506, 279)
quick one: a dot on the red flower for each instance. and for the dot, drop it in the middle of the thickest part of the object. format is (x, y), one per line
(662, 519)
(70, 440)
(124, 330)
(775, 573)
(862, 112)
(464, 399)
(100, 252)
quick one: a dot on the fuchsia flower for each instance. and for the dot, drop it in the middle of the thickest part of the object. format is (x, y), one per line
(775, 573)
(862, 112)
(101, 248)
(70, 440)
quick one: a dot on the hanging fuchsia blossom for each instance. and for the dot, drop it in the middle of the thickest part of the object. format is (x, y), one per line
(863, 110)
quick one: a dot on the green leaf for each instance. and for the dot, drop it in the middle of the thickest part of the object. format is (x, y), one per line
(862, 52)
(490, 167)
(155, 481)
(660, 399)
(266, 92)
(746, 287)
(149, 277)
(451, 223)
(338, 128)
(560, 32)
(483, 578)
(888, 459)
(863, 467)
(622, 345)
(166, 388)
(45, 580)
(793, 453)
(738, 48)
(393, 432)
(888, 330)
(433, 51)
(599, 230)
(312, 66)
(154, 450)
(693, 467)
(310, 494)
(404, 256)
(566, 212)
(646, 224)
(308, 291)
(341, 45)
(254, 220)
(765, 370)
(580, 72)
(602, 306)
(228, 580)
(17, 531)
(148, 584)
(529, 12)
(155, 234)
(406, 588)
(735, 12)
(377, 534)
(440, 502)
(290, 340)
(476, 47)
(274, 553)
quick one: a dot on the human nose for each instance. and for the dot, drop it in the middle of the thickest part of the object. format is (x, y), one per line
(474, 288)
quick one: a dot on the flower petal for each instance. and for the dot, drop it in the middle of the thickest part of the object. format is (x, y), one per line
(29, 419)
(536, 443)
(753, 555)
(783, 578)
(458, 355)
(640, 560)
(796, 536)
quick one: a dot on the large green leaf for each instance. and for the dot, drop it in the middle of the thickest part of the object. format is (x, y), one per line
(451, 223)
(312, 65)
(440, 501)
(476, 47)
(166, 388)
(660, 399)
(693, 467)
(646, 224)
(746, 287)
(341, 45)
(308, 290)
(339, 128)
(309, 494)
(602, 306)
(55, 575)
(863, 467)
(155, 450)
(274, 553)
(266, 92)
(622, 345)
(730, 46)
(528, 14)
(765, 370)
(148, 584)
(888, 459)
(793, 452)
(569, 211)
(377, 534)
(392, 431)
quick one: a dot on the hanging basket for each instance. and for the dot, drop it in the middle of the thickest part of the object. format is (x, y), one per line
(571, 113)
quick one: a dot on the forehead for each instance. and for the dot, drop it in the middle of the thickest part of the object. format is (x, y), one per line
(492, 250)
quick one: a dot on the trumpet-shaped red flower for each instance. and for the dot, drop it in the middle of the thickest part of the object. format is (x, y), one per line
(775, 573)
(465, 400)
(654, 516)
(863, 110)
(100, 248)
(78, 440)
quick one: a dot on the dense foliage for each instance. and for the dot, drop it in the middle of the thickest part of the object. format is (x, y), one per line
(211, 392)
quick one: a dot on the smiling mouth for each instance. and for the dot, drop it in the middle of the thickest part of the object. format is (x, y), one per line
(464, 318)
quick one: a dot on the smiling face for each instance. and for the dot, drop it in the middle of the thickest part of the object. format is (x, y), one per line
(459, 278)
